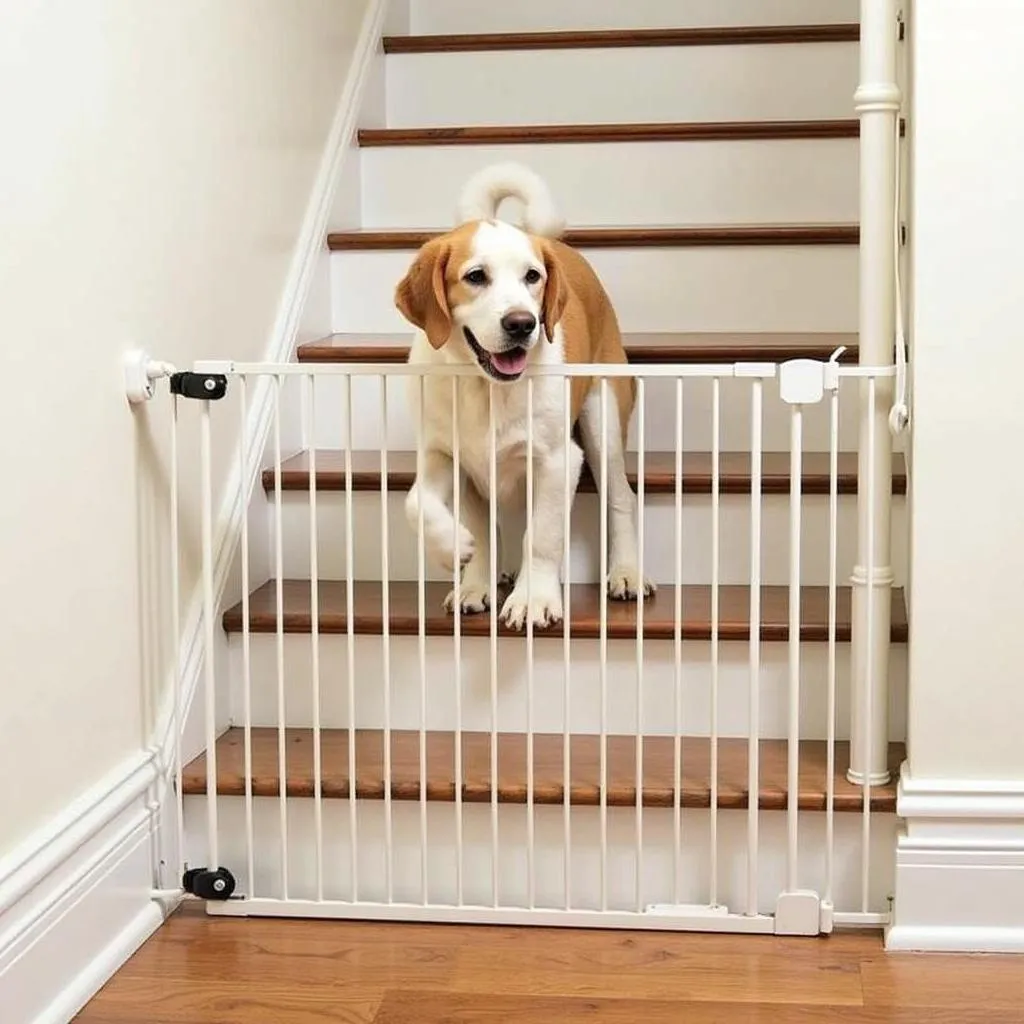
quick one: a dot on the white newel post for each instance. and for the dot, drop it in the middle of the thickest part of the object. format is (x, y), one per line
(878, 100)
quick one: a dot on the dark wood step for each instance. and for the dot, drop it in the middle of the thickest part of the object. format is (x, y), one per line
(730, 35)
(659, 472)
(691, 131)
(585, 623)
(643, 237)
(658, 784)
(641, 348)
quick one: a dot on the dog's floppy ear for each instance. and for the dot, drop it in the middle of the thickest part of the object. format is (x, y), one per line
(422, 296)
(556, 292)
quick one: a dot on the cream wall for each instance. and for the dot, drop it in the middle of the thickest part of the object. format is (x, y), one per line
(157, 159)
(967, 650)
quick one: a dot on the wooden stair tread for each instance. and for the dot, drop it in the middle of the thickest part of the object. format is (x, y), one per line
(684, 347)
(659, 472)
(659, 612)
(728, 35)
(657, 781)
(656, 131)
(643, 236)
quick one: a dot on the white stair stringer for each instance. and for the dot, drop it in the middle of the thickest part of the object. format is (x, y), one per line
(666, 83)
(608, 184)
(454, 16)
(549, 866)
(660, 682)
(660, 554)
(748, 288)
(660, 426)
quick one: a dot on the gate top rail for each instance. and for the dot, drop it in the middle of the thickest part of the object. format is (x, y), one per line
(753, 370)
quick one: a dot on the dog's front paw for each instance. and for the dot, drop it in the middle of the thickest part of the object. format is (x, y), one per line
(625, 583)
(473, 598)
(542, 605)
(441, 548)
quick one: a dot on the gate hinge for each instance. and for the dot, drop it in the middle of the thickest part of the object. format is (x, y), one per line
(209, 885)
(209, 386)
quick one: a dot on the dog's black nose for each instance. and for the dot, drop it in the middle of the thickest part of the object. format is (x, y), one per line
(518, 324)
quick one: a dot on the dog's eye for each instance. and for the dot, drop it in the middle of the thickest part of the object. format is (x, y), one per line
(532, 276)
(477, 276)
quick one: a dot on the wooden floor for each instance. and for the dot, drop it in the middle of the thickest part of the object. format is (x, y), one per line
(199, 970)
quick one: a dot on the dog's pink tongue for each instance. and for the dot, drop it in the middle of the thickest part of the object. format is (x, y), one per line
(512, 361)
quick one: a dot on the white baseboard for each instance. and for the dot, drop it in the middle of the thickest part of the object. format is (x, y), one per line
(959, 867)
(76, 899)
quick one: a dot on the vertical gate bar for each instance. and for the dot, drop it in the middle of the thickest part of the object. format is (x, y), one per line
(179, 794)
(830, 743)
(603, 591)
(566, 646)
(753, 746)
(250, 841)
(208, 640)
(639, 749)
(457, 639)
(492, 487)
(716, 533)
(531, 881)
(314, 635)
(793, 732)
(870, 639)
(677, 740)
(421, 586)
(350, 647)
(385, 597)
(282, 747)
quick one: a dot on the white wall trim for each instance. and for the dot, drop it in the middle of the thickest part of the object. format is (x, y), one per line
(82, 884)
(245, 468)
(959, 866)
(79, 893)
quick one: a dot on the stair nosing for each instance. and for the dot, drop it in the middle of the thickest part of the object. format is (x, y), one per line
(656, 131)
(439, 779)
(723, 347)
(726, 35)
(637, 237)
(404, 616)
(295, 475)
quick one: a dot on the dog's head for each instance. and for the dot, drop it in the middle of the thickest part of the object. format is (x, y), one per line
(485, 289)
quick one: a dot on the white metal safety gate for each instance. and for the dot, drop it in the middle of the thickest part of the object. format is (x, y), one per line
(706, 759)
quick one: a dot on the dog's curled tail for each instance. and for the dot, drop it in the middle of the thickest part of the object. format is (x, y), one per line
(485, 191)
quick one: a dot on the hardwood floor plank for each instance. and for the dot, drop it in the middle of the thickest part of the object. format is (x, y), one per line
(408, 1007)
(960, 982)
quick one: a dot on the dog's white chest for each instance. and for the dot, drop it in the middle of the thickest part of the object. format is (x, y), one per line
(518, 422)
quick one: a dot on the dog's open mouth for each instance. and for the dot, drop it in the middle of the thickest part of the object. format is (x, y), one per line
(507, 366)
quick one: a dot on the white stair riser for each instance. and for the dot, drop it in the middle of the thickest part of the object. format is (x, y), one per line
(456, 16)
(735, 416)
(549, 863)
(646, 183)
(659, 685)
(758, 288)
(660, 555)
(686, 83)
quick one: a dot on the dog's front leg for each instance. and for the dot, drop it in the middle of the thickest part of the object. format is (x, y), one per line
(475, 587)
(429, 497)
(537, 594)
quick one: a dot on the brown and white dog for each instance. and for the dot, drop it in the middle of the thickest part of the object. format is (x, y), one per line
(499, 298)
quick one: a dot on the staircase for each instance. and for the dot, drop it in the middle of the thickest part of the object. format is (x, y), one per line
(705, 156)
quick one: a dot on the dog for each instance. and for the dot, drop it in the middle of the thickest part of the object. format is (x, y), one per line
(500, 299)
